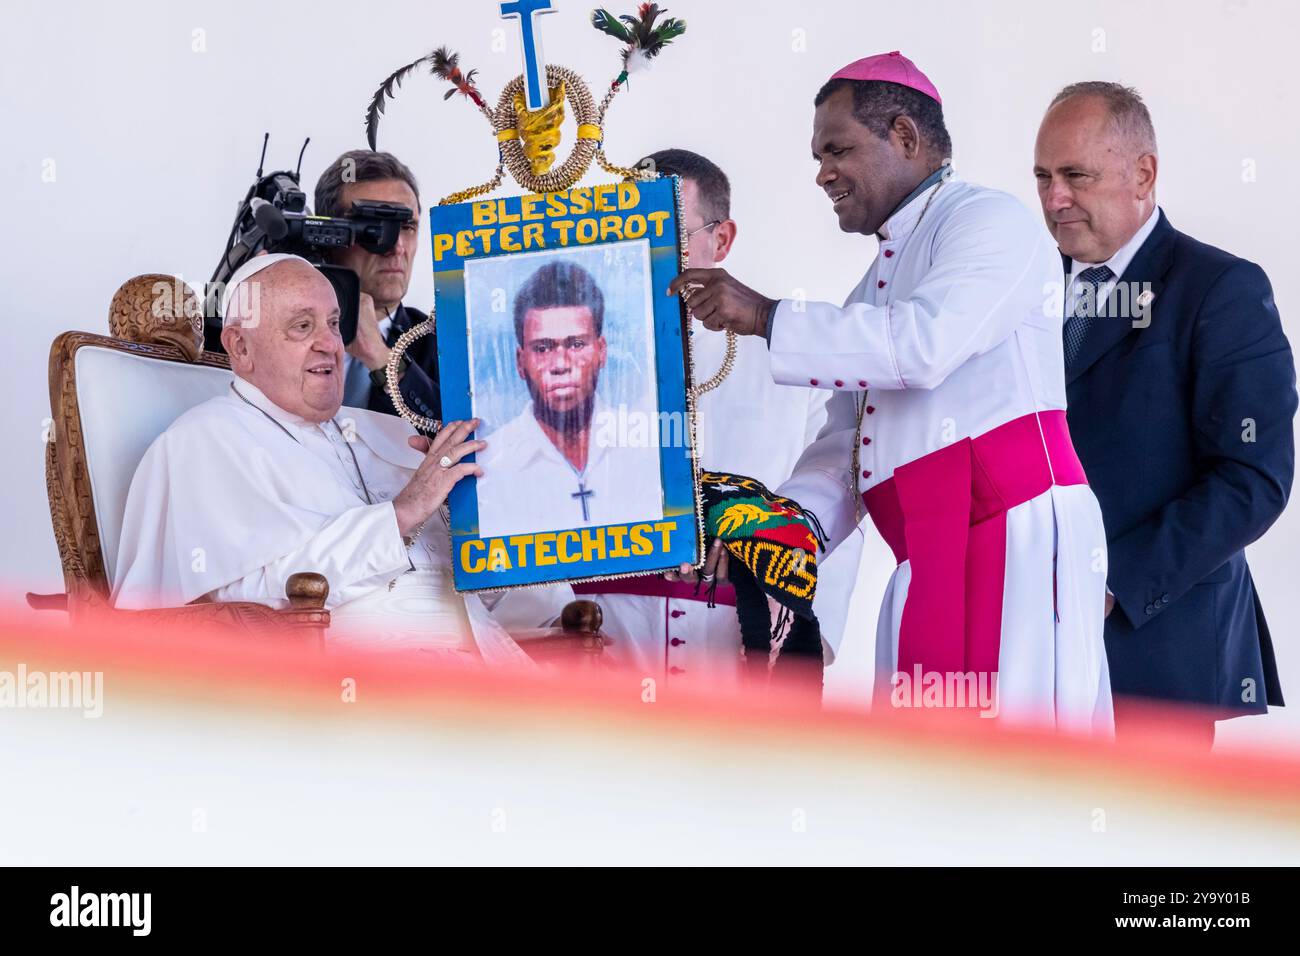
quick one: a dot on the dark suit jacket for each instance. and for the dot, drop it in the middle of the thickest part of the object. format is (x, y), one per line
(1184, 428)
(419, 386)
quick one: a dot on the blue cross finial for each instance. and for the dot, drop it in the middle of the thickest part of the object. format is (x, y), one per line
(536, 94)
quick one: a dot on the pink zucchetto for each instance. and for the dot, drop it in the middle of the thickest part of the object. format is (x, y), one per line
(893, 68)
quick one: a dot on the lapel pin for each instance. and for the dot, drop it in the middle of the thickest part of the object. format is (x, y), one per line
(1143, 303)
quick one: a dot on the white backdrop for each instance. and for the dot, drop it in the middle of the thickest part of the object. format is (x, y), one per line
(132, 129)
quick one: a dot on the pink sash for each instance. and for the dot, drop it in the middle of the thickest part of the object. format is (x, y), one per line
(946, 513)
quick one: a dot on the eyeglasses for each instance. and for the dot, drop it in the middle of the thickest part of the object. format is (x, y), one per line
(707, 225)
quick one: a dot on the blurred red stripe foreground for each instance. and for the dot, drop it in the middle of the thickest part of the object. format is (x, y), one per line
(422, 764)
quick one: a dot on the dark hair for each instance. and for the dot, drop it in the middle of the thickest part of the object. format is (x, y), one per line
(358, 166)
(877, 103)
(712, 182)
(557, 285)
(1127, 111)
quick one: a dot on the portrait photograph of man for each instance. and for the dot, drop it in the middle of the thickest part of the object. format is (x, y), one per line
(562, 366)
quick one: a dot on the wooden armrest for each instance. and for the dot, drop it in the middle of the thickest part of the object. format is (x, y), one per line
(307, 591)
(304, 620)
(47, 602)
(578, 639)
(294, 623)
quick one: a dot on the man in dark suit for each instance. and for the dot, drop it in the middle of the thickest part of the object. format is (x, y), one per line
(363, 174)
(1181, 391)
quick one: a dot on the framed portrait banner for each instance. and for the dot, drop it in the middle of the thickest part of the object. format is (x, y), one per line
(556, 332)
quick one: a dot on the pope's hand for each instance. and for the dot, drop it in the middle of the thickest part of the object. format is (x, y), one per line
(369, 346)
(723, 303)
(431, 483)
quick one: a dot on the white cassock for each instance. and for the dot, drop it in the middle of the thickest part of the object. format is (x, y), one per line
(238, 494)
(529, 486)
(951, 347)
(748, 426)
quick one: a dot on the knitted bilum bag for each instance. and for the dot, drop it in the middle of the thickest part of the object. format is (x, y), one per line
(772, 543)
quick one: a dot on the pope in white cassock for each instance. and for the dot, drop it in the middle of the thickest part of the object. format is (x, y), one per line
(749, 426)
(548, 469)
(270, 479)
(946, 420)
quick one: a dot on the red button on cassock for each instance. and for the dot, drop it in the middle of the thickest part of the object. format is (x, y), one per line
(880, 284)
(838, 383)
(871, 409)
(812, 381)
(862, 383)
(889, 253)
(866, 474)
(866, 440)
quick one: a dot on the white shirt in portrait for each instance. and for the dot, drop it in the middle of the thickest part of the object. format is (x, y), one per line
(529, 486)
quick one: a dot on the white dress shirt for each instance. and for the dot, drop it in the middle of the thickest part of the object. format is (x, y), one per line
(1116, 263)
(356, 377)
(529, 486)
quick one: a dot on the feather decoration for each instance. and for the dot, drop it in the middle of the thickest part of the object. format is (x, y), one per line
(635, 60)
(384, 93)
(644, 40)
(445, 65)
(606, 22)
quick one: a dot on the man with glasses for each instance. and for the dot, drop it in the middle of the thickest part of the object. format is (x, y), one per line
(367, 175)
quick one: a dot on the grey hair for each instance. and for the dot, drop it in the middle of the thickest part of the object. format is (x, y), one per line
(1127, 111)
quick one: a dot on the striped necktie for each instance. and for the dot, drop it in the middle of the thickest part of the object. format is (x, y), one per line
(1086, 307)
(397, 326)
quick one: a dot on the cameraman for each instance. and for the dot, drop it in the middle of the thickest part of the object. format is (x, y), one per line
(362, 174)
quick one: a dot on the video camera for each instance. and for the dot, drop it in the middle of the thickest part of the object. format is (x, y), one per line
(274, 217)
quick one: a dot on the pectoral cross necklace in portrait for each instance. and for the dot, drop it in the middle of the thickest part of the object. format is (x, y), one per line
(582, 494)
(408, 540)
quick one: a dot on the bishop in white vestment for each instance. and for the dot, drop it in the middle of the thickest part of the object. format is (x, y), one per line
(946, 418)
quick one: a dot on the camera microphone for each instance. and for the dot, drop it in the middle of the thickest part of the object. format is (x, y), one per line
(274, 217)
(269, 219)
